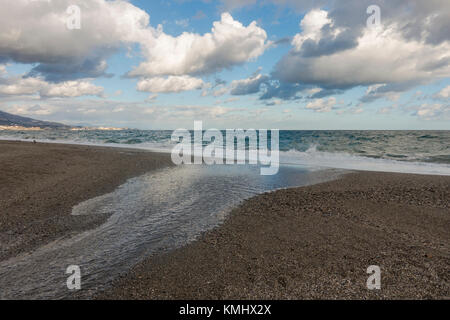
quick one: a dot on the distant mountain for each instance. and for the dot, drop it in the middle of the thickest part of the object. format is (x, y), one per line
(8, 119)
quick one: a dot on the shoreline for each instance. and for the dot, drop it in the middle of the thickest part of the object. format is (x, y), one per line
(41, 183)
(313, 242)
(412, 167)
(88, 144)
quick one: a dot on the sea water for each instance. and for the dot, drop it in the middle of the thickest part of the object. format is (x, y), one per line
(426, 152)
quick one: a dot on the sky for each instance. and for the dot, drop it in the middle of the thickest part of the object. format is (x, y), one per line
(271, 64)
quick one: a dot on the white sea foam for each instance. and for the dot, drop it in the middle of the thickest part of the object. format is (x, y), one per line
(314, 158)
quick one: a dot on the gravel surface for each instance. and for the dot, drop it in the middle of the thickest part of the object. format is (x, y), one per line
(314, 243)
(40, 183)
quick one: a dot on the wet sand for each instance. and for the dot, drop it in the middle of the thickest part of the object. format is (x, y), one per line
(314, 243)
(40, 183)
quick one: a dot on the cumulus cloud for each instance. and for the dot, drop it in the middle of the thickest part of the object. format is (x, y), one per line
(170, 84)
(230, 43)
(427, 21)
(335, 50)
(381, 57)
(107, 26)
(435, 111)
(443, 94)
(31, 86)
(71, 89)
(249, 85)
(36, 32)
(311, 24)
(322, 105)
(320, 36)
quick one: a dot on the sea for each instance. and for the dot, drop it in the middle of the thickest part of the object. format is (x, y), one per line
(171, 207)
(426, 152)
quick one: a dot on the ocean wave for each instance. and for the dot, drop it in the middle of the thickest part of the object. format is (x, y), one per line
(340, 160)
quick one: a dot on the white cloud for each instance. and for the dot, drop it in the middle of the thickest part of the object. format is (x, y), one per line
(229, 43)
(380, 57)
(32, 86)
(436, 111)
(30, 110)
(336, 51)
(107, 26)
(71, 89)
(21, 86)
(427, 20)
(322, 105)
(443, 94)
(36, 32)
(311, 24)
(170, 84)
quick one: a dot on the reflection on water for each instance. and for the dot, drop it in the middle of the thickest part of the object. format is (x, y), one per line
(158, 211)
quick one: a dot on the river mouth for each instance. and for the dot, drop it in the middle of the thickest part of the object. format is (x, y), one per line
(150, 214)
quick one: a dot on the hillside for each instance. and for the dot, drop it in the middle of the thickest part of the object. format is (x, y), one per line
(8, 119)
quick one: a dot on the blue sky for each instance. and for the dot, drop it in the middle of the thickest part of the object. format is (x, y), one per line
(267, 64)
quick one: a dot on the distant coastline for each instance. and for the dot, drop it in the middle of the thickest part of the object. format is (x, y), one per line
(12, 122)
